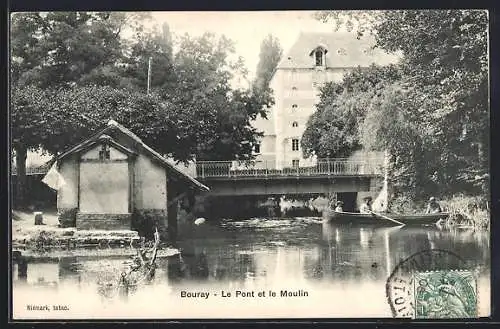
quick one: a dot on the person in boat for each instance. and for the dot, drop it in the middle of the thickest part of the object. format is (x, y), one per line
(366, 207)
(338, 206)
(433, 207)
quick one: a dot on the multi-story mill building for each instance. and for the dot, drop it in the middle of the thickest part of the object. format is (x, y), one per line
(314, 59)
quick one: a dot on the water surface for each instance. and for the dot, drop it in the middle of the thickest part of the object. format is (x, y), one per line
(326, 270)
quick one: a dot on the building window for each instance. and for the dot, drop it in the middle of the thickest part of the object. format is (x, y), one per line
(295, 124)
(295, 163)
(294, 106)
(295, 144)
(318, 54)
(104, 152)
(257, 148)
(342, 51)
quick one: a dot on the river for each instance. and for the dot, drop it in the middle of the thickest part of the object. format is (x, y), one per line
(333, 271)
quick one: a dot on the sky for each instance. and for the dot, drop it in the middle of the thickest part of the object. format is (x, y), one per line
(246, 29)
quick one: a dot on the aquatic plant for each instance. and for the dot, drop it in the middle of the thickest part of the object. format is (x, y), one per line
(468, 210)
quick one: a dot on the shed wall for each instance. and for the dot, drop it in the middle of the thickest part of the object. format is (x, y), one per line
(67, 196)
(104, 187)
(150, 186)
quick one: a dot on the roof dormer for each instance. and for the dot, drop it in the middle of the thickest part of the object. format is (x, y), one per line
(319, 55)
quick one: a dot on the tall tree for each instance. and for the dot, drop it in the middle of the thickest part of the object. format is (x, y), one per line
(155, 46)
(451, 76)
(269, 57)
(333, 130)
(445, 68)
(53, 49)
(217, 118)
(71, 45)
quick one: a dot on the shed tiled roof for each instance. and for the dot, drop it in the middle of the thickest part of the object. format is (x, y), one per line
(344, 50)
(114, 126)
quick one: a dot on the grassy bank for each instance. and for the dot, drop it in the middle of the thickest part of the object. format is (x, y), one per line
(463, 209)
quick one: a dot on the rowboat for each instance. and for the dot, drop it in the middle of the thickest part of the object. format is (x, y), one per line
(382, 218)
(418, 219)
(352, 218)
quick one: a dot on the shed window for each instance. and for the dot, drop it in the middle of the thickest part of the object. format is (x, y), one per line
(318, 54)
(295, 144)
(104, 152)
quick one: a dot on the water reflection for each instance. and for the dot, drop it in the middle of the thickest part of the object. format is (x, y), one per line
(249, 255)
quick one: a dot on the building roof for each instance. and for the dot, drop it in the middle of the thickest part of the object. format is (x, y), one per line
(113, 126)
(344, 50)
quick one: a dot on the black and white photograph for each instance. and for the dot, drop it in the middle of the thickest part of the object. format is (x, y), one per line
(249, 164)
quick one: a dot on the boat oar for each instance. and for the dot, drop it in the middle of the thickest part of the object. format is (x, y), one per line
(385, 217)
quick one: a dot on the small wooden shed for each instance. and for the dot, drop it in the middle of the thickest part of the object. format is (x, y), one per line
(113, 180)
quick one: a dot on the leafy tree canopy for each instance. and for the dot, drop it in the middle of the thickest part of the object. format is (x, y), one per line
(435, 120)
(269, 57)
(72, 72)
(332, 131)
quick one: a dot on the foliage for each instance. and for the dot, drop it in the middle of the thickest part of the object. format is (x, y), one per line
(157, 46)
(360, 21)
(332, 131)
(269, 57)
(216, 117)
(60, 48)
(435, 121)
(468, 210)
(72, 72)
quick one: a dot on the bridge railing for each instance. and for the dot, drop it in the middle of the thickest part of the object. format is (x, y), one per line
(32, 170)
(323, 167)
(221, 169)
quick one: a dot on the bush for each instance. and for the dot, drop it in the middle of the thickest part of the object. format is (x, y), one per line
(468, 210)
(407, 205)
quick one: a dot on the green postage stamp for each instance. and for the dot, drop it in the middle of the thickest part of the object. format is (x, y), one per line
(445, 295)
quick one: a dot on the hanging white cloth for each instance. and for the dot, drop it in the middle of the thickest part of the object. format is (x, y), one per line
(53, 178)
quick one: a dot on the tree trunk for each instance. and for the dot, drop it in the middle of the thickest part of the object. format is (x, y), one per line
(389, 172)
(483, 168)
(483, 161)
(20, 198)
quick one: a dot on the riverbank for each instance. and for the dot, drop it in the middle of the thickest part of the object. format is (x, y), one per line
(51, 241)
(464, 210)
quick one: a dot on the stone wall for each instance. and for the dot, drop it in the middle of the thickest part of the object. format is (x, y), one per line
(67, 217)
(145, 220)
(103, 221)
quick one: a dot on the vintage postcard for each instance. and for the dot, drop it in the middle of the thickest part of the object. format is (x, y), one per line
(250, 165)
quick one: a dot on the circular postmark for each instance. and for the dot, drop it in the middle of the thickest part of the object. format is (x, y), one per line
(400, 286)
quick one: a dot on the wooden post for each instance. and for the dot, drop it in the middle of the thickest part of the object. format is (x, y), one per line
(38, 218)
(172, 211)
